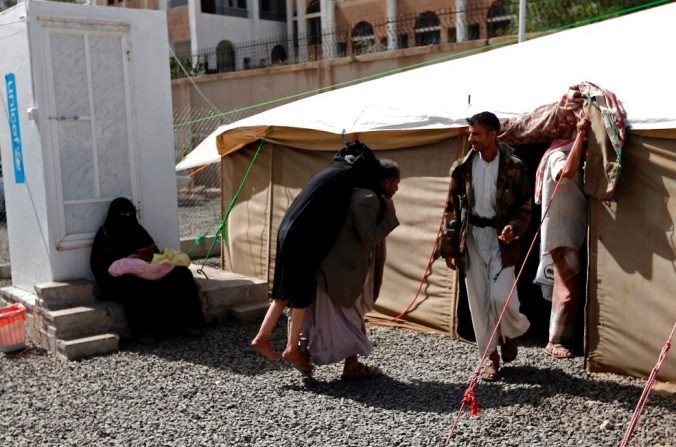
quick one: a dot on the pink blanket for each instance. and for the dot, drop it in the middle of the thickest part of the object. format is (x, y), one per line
(140, 268)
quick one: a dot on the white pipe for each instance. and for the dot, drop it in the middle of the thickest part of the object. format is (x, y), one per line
(302, 30)
(391, 24)
(522, 20)
(460, 20)
(289, 30)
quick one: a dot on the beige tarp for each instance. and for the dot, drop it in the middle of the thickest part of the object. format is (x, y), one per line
(631, 303)
(281, 172)
(632, 264)
(414, 117)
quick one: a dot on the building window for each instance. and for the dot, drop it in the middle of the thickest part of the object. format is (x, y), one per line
(234, 8)
(225, 56)
(363, 40)
(313, 6)
(452, 35)
(499, 19)
(111, 2)
(208, 6)
(314, 31)
(272, 10)
(402, 40)
(278, 55)
(427, 29)
(176, 3)
(247, 63)
(474, 31)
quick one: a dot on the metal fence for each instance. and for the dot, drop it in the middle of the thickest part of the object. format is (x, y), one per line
(438, 27)
(198, 191)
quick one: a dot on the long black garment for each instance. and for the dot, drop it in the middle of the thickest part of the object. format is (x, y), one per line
(152, 306)
(311, 225)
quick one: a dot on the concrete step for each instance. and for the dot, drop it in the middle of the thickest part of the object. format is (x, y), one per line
(83, 321)
(201, 250)
(88, 346)
(250, 312)
(62, 295)
(13, 294)
(222, 290)
(5, 271)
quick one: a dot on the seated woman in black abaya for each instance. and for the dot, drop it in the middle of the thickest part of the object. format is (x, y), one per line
(169, 304)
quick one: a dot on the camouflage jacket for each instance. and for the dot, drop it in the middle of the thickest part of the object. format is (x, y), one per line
(513, 206)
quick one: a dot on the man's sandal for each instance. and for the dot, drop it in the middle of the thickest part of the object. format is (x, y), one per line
(361, 371)
(509, 349)
(558, 351)
(491, 372)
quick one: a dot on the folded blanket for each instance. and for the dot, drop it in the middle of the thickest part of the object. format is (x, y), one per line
(140, 268)
(173, 257)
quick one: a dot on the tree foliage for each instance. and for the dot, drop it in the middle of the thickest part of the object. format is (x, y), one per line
(544, 15)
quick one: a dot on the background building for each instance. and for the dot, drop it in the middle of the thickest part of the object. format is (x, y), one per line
(216, 36)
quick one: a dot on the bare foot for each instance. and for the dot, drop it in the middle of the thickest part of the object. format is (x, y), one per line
(299, 361)
(263, 346)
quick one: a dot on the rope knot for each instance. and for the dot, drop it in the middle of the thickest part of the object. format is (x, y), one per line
(470, 400)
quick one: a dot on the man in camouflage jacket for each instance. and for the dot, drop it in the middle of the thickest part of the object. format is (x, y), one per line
(487, 214)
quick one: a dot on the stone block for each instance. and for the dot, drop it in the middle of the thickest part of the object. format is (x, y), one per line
(62, 295)
(81, 321)
(222, 290)
(13, 294)
(5, 271)
(201, 250)
(88, 346)
(250, 312)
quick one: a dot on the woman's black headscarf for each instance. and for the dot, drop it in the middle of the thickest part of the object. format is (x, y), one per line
(120, 236)
(313, 221)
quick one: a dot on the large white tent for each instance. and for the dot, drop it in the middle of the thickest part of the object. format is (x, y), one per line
(624, 55)
(417, 118)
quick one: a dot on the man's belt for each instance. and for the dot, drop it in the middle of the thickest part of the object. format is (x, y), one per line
(481, 221)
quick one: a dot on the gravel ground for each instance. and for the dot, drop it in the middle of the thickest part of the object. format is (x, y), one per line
(4, 243)
(199, 212)
(216, 391)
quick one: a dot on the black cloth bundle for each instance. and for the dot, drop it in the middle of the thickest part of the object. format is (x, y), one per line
(313, 221)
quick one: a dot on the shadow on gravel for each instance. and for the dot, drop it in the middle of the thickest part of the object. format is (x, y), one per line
(390, 394)
(542, 383)
(224, 346)
(523, 385)
(29, 351)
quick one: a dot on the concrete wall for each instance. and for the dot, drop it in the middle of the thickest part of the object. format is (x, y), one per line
(244, 88)
(214, 28)
(33, 208)
(178, 24)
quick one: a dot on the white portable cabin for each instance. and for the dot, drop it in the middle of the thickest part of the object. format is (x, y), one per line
(86, 117)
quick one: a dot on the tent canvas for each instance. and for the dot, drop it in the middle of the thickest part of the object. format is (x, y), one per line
(416, 118)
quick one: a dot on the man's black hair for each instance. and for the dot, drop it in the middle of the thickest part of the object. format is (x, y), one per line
(389, 169)
(486, 119)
